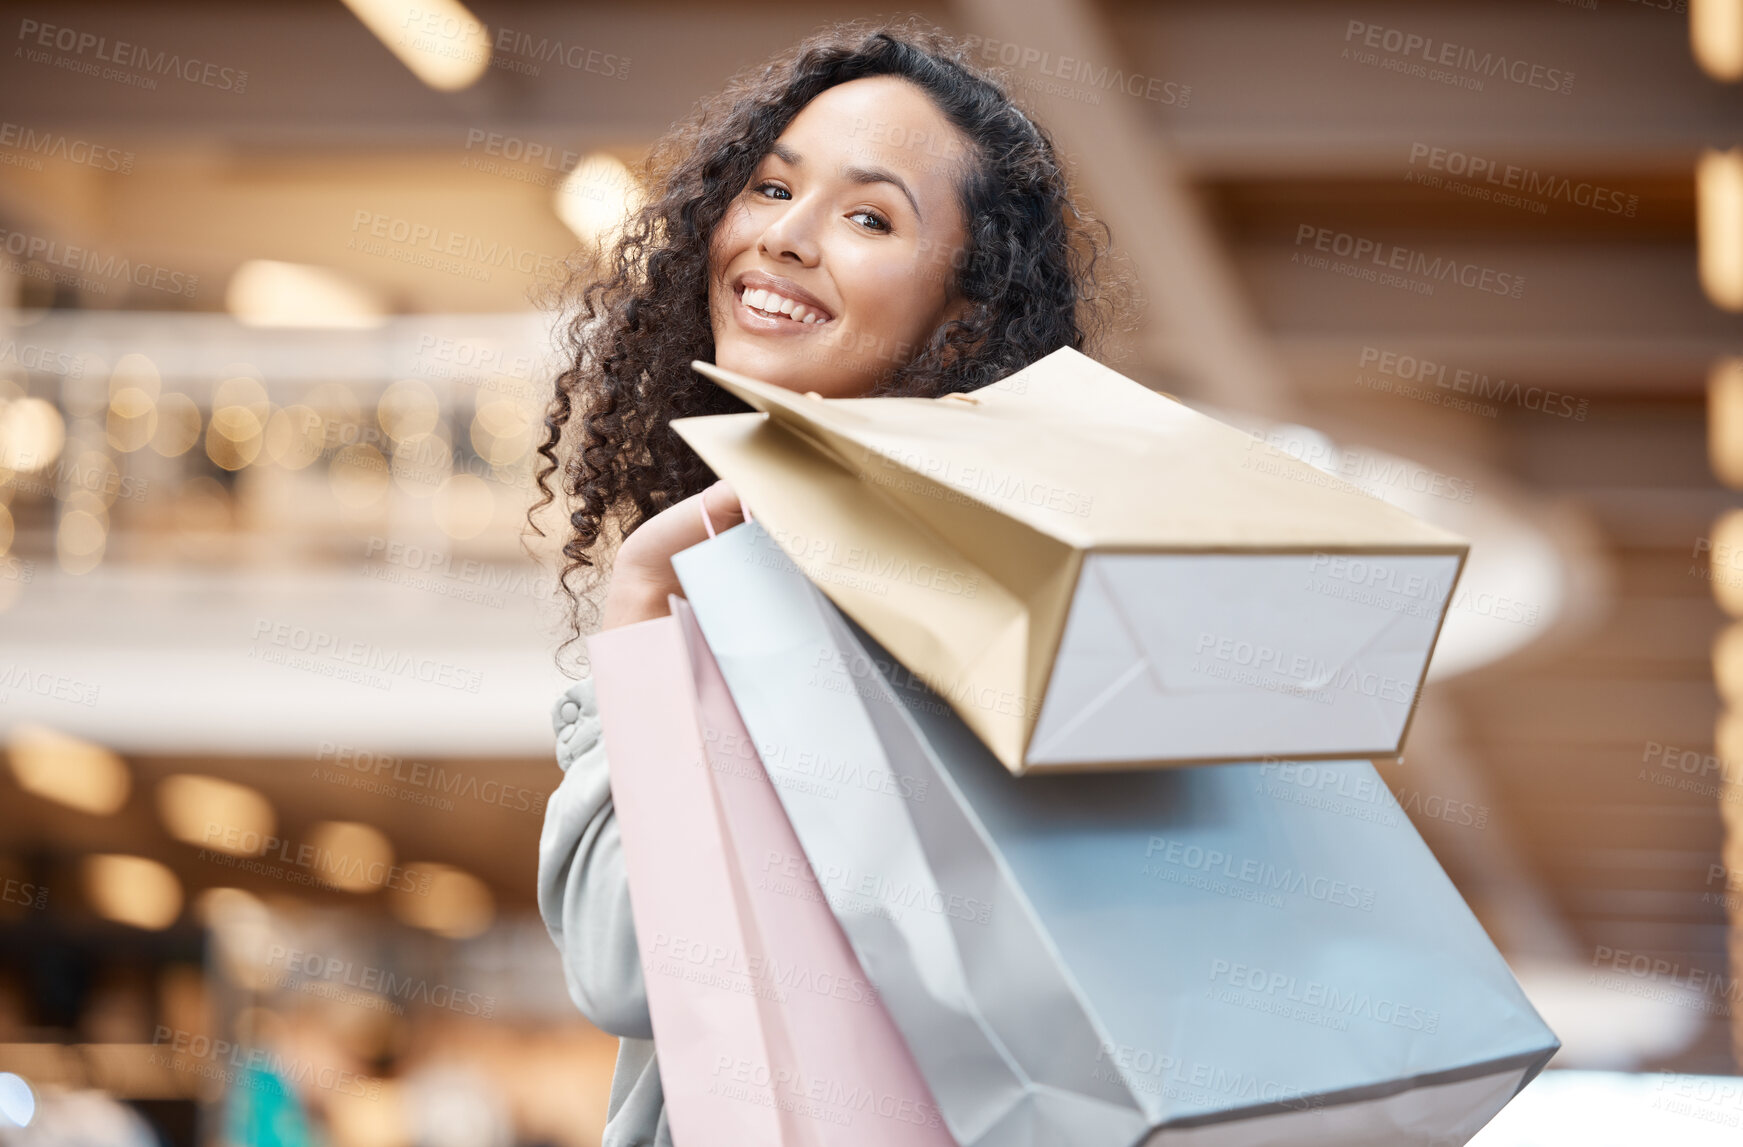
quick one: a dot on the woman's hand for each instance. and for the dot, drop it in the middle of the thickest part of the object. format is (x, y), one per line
(642, 575)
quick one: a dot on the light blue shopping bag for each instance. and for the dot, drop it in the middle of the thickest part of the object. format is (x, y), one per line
(1252, 954)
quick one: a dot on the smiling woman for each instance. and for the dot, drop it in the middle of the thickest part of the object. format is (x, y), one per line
(867, 214)
(854, 233)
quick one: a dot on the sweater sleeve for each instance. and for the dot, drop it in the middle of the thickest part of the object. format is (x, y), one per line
(583, 890)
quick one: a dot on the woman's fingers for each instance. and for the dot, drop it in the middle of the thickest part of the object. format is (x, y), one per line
(643, 575)
(724, 508)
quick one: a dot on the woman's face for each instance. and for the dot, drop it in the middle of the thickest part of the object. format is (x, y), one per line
(851, 222)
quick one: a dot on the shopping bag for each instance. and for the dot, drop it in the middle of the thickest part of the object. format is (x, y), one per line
(767, 1030)
(1215, 955)
(1093, 574)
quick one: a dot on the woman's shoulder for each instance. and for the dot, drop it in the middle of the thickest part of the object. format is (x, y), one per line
(575, 721)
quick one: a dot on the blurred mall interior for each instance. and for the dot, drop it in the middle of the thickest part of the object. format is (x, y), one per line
(273, 359)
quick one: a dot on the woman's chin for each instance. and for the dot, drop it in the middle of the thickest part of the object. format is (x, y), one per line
(780, 365)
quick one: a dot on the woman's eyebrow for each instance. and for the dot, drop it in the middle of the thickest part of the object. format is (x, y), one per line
(857, 174)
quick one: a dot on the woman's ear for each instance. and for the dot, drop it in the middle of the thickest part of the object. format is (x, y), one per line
(956, 309)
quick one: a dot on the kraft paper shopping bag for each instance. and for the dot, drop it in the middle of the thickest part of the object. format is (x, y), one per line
(1208, 956)
(766, 1027)
(1094, 575)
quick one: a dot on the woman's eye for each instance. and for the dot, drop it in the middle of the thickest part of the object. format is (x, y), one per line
(877, 221)
(882, 224)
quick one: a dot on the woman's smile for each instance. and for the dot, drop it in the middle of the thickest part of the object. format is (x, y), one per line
(770, 305)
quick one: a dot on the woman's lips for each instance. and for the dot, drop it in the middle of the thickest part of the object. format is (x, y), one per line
(757, 322)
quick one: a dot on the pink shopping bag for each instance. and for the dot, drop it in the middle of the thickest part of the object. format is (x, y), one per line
(767, 1029)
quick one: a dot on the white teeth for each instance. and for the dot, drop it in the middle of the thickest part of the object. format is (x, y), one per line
(773, 304)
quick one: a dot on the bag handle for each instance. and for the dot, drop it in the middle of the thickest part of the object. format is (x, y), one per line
(708, 523)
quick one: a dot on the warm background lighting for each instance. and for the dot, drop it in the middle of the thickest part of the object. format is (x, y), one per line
(442, 43)
(132, 890)
(457, 904)
(214, 813)
(67, 770)
(351, 855)
(1725, 572)
(31, 434)
(281, 322)
(597, 197)
(1725, 420)
(1719, 225)
(268, 293)
(1716, 35)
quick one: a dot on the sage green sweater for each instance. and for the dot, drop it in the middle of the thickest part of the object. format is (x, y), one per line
(584, 900)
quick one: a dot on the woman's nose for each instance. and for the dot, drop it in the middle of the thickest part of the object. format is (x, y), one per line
(793, 232)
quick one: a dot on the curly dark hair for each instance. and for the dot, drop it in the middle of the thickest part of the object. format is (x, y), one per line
(1028, 272)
